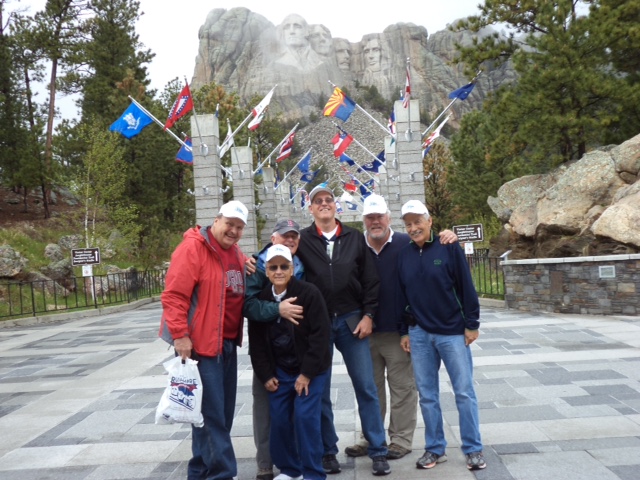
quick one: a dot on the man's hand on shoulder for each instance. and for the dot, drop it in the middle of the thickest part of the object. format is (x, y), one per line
(250, 265)
(447, 236)
(290, 311)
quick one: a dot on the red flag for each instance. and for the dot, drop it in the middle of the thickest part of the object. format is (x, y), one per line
(407, 89)
(341, 142)
(182, 106)
(255, 123)
(285, 149)
(264, 103)
(351, 186)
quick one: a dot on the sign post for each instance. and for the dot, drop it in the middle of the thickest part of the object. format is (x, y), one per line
(87, 258)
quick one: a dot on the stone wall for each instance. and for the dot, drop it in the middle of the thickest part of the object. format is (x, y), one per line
(605, 285)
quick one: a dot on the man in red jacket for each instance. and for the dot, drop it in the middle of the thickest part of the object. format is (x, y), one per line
(202, 318)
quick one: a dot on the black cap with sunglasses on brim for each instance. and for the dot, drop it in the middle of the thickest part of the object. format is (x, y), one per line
(286, 225)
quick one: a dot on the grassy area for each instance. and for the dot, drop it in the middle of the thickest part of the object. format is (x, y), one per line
(488, 277)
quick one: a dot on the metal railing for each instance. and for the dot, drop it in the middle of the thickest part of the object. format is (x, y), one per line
(487, 274)
(20, 299)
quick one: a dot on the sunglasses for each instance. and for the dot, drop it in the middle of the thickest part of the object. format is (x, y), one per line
(320, 201)
(274, 268)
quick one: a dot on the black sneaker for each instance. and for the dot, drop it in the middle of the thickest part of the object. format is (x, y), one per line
(475, 461)
(380, 466)
(330, 464)
(429, 460)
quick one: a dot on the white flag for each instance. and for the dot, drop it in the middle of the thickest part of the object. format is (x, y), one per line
(228, 142)
(263, 104)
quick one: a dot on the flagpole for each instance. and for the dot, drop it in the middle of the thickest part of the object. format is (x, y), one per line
(364, 111)
(274, 150)
(409, 133)
(475, 79)
(157, 121)
(294, 167)
(244, 122)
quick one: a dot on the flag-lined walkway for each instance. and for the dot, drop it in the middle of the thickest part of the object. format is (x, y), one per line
(559, 398)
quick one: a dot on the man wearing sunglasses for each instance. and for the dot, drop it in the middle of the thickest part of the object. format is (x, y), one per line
(337, 260)
(286, 232)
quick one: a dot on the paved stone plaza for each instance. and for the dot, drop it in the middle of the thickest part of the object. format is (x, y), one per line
(559, 399)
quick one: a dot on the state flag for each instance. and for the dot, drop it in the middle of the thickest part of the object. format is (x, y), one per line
(131, 122)
(285, 148)
(185, 154)
(341, 142)
(407, 88)
(463, 92)
(182, 106)
(264, 103)
(339, 105)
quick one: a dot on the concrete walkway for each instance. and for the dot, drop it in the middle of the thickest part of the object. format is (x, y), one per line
(559, 398)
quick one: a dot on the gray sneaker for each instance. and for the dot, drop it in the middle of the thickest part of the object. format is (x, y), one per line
(475, 461)
(429, 460)
(380, 466)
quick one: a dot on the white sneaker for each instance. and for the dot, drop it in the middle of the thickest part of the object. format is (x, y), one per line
(282, 476)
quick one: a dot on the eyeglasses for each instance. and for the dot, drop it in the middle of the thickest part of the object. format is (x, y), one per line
(274, 268)
(320, 201)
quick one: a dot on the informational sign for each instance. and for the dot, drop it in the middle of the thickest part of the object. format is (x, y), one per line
(469, 233)
(468, 248)
(87, 270)
(85, 256)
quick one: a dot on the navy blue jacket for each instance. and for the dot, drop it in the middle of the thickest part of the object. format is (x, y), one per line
(436, 282)
(388, 317)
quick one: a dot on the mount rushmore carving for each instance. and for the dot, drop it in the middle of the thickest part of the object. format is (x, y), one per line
(244, 52)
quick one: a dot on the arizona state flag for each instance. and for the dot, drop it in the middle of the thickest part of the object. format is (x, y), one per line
(339, 106)
(182, 106)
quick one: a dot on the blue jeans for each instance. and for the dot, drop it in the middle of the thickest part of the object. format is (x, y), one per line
(357, 358)
(296, 446)
(213, 456)
(427, 351)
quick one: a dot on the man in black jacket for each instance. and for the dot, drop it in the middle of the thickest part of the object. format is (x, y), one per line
(337, 261)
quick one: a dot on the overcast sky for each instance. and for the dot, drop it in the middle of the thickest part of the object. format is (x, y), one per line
(170, 27)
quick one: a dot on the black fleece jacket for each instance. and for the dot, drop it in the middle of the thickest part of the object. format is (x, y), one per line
(349, 280)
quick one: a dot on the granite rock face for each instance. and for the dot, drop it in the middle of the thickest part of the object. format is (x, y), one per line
(588, 207)
(246, 53)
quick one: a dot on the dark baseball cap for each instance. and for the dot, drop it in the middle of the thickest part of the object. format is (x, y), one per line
(286, 225)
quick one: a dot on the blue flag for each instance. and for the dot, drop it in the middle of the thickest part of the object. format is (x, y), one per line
(345, 158)
(303, 166)
(131, 122)
(309, 176)
(371, 167)
(363, 188)
(463, 92)
(185, 154)
(352, 206)
(381, 157)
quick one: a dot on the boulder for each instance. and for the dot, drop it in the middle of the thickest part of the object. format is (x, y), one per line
(12, 263)
(53, 252)
(69, 242)
(589, 206)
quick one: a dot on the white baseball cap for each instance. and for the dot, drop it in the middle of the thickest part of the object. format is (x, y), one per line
(234, 209)
(278, 251)
(374, 203)
(319, 188)
(414, 206)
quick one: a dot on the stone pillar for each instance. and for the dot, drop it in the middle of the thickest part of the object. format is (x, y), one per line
(268, 207)
(207, 176)
(409, 178)
(243, 191)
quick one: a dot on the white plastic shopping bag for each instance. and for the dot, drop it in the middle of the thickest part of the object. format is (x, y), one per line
(181, 401)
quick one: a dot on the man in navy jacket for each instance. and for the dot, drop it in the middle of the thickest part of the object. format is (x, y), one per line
(437, 285)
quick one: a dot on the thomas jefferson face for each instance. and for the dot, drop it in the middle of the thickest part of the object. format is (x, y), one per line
(372, 54)
(295, 31)
(320, 39)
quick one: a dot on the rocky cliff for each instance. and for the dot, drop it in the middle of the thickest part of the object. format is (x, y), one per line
(246, 53)
(587, 207)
